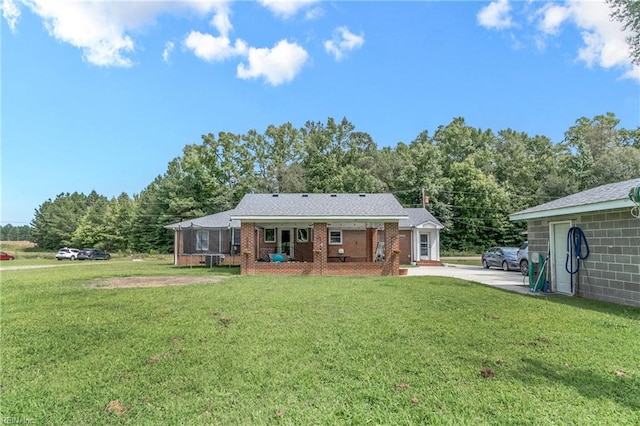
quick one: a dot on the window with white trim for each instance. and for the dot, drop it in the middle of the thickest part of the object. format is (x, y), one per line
(202, 241)
(269, 235)
(302, 235)
(335, 236)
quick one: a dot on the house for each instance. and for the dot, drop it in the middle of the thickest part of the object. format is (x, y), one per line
(321, 234)
(610, 225)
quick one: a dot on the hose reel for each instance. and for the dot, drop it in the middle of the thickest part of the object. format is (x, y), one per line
(634, 196)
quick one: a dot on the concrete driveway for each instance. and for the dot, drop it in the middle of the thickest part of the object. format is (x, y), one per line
(512, 280)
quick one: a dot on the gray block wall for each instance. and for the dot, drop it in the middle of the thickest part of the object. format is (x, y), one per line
(612, 271)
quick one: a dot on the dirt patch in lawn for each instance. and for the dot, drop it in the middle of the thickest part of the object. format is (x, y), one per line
(138, 282)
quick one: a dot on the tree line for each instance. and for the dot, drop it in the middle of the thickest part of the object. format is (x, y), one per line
(15, 233)
(473, 178)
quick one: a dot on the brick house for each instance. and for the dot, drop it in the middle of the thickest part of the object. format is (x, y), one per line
(319, 234)
(611, 226)
(349, 230)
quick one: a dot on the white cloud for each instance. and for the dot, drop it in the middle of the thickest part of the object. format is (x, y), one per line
(277, 65)
(11, 13)
(287, 8)
(314, 13)
(221, 20)
(496, 15)
(553, 16)
(212, 49)
(343, 41)
(102, 30)
(603, 39)
(168, 48)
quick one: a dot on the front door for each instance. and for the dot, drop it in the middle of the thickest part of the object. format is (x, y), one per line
(424, 246)
(285, 242)
(561, 279)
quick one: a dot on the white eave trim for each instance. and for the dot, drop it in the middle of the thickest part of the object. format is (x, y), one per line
(429, 225)
(585, 208)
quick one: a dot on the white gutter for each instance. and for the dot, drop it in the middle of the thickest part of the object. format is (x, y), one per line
(569, 210)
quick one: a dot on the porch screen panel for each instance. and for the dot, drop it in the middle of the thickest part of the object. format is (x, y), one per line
(225, 241)
(214, 240)
(188, 240)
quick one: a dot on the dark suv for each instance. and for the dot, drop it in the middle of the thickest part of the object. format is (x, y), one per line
(523, 258)
(93, 254)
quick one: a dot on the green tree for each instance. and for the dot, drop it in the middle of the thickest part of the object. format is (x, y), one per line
(9, 232)
(522, 166)
(56, 220)
(277, 155)
(92, 230)
(480, 209)
(339, 159)
(601, 153)
(628, 13)
(118, 223)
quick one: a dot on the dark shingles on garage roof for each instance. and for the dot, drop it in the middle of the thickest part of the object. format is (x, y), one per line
(319, 205)
(600, 194)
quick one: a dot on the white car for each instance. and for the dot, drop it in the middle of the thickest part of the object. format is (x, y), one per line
(67, 253)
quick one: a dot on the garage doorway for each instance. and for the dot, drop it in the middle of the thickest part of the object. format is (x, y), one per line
(560, 278)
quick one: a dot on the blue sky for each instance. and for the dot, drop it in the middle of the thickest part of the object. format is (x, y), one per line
(102, 95)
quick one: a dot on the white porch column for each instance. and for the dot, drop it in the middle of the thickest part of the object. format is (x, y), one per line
(415, 246)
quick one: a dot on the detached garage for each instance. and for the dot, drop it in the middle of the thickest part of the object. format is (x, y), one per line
(592, 242)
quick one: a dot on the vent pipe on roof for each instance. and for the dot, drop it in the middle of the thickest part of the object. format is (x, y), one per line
(305, 195)
(274, 195)
(333, 195)
(363, 195)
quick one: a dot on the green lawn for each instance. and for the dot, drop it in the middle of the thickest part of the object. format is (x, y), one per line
(308, 350)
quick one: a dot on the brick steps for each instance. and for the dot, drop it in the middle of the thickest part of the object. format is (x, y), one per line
(430, 263)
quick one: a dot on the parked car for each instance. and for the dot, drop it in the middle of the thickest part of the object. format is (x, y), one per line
(6, 256)
(523, 258)
(67, 253)
(501, 257)
(93, 254)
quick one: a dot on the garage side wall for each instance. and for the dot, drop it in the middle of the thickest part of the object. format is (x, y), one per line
(612, 271)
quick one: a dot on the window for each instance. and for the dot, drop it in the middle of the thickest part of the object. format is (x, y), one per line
(269, 235)
(202, 241)
(335, 237)
(302, 235)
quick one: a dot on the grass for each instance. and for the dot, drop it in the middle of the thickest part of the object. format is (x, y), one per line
(308, 350)
(463, 261)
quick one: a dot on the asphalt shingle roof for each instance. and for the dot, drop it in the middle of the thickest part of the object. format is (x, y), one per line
(319, 205)
(217, 220)
(418, 216)
(612, 192)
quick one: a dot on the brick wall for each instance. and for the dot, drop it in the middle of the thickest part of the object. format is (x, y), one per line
(611, 273)
(391, 249)
(319, 247)
(354, 245)
(332, 269)
(247, 248)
